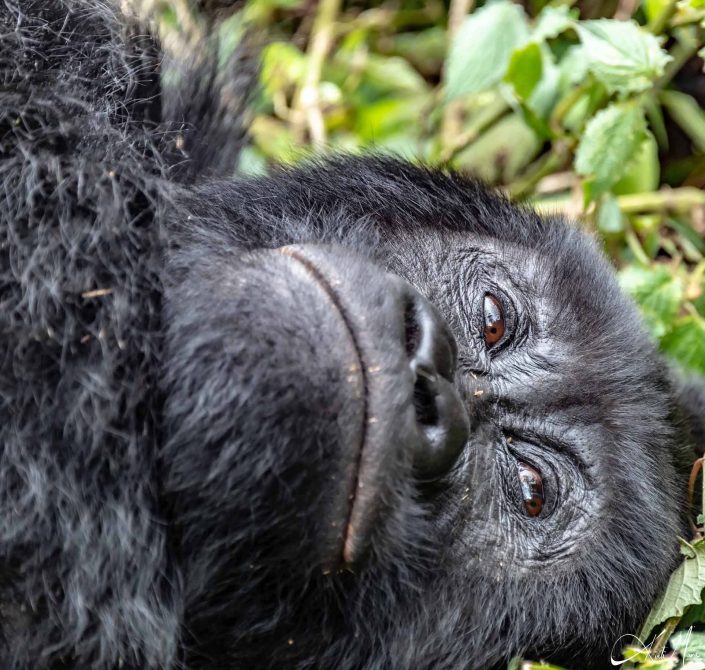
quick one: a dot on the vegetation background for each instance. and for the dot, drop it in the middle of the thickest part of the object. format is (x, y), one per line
(591, 108)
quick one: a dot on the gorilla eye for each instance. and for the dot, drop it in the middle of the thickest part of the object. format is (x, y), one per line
(531, 489)
(494, 320)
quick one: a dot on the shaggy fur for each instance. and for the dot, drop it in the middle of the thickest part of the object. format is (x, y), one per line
(176, 398)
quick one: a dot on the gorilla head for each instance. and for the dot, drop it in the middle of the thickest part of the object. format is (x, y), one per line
(358, 414)
(403, 530)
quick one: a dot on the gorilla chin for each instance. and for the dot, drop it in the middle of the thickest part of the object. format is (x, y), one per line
(355, 415)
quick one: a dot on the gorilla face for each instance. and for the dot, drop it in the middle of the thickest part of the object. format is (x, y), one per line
(436, 476)
(357, 415)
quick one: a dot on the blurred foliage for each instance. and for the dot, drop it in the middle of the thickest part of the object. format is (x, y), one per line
(589, 108)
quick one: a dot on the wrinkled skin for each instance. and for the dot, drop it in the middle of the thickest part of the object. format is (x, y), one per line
(257, 423)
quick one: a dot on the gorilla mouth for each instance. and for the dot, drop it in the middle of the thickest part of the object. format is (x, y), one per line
(345, 546)
(411, 420)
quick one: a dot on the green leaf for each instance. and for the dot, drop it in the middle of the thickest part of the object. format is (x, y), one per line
(282, 66)
(609, 216)
(524, 71)
(654, 114)
(480, 52)
(425, 49)
(551, 22)
(625, 58)
(689, 644)
(683, 589)
(654, 8)
(657, 292)
(688, 114)
(502, 151)
(538, 107)
(573, 67)
(684, 230)
(388, 117)
(610, 142)
(643, 173)
(393, 74)
(686, 343)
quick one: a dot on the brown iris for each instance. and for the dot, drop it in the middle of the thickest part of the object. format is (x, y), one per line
(494, 320)
(531, 489)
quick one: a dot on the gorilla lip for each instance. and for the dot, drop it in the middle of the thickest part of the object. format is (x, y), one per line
(350, 543)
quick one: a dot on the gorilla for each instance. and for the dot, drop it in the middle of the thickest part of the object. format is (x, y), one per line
(358, 414)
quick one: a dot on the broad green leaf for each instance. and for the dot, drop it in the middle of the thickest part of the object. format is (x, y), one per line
(551, 22)
(545, 94)
(393, 74)
(609, 216)
(582, 110)
(625, 58)
(282, 66)
(643, 173)
(683, 589)
(573, 67)
(425, 49)
(689, 644)
(389, 116)
(686, 343)
(688, 114)
(480, 52)
(524, 70)
(658, 293)
(609, 144)
(501, 151)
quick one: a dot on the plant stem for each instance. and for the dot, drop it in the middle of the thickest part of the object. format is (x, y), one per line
(682, 199)
(452, 146)
(677, 199)
(660, 22)
(306, 110)
(662, 638)
(545, 166)
(686, 45)
(453, 113)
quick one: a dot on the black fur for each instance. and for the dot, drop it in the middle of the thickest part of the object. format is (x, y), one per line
(176, 399)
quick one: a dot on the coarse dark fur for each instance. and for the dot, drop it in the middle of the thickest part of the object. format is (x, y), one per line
(181, 398)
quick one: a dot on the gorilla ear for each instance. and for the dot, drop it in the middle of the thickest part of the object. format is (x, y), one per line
(690, 404)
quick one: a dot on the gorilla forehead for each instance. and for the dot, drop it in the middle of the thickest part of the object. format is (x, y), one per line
(451, 239)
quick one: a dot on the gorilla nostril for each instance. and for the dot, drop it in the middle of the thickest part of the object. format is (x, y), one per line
(425, 392)
(440, 416)
(412, 331)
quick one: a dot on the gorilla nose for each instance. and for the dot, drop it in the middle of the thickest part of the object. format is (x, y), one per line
(441, 420)
(403, 416)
